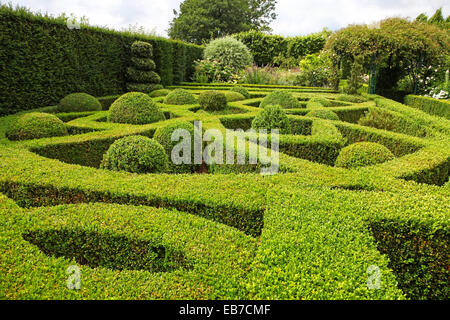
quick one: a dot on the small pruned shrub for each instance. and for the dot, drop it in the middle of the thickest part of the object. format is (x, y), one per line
(36, 125)
(272, 117)
(159, 93)
(323, 114)
(79, 102)
(213, 100)
(379, 119)
(324, 102)
(363, 154)
(179, 97)
(136, 154)
(163, 135)
(135, 108)
(233, 96)
(281, 98)
(242, 91)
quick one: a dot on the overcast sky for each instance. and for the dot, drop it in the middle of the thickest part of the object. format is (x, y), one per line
(295, 17)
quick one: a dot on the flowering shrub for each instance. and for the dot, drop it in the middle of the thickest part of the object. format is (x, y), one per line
(230, 52)
(207, 71)
(315, 71)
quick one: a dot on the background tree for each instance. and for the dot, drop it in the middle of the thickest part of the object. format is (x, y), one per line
(201, 20)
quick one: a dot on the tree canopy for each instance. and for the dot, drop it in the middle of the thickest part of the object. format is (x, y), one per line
(201, 20)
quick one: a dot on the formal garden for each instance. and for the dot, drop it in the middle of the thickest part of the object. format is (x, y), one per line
(358, 209)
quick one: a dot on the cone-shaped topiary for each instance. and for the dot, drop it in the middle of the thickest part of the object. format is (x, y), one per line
(179, 97)
(136, 154)
(135, 108)
(272, 117)
(36, 125)
(213, 101)
(281, 98)
(363, 154)
(164, 136)
(141, 74)
(79, 102)
(323, 114)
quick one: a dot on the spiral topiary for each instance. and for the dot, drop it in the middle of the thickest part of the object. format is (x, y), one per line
(272, 117)
(135, 108)
(363, 154)
(281, 98)
(36, 125)
(141, 74)
(213, 101)
(179, 97)
(79, 102)
(242, 91)
(323, 114)
(135, 154)
(233, 96)
(164, 136)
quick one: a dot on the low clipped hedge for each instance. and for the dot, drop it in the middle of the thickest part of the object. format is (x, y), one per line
(234, 96)
(136, 154)
(179, 97)
(213, 101)
(282, 98)
(363, 154)
(135, 108)
(242, 91)
(36, 125)
(432, 106)
(323, 114)
(351, 98)
(322, 101)
(79, 102)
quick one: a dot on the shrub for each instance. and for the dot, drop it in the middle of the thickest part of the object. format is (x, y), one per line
(35, 126)
(141, 74)
(431, 106)
(379, 119)
(323, 114)
(159, 93)
(233, 96)
(163, 135)
(324, 102)
(213, 101)
(351, 98)
(135, 108)
(242, 91)
(207, 71)
(272, 117)
(136, 154)
(230, 52)
(179, 97)
(357, 72)
(79, 102)
(281, 98)
(363, 154)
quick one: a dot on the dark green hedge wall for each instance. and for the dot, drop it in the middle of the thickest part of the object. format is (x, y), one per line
(42, 60)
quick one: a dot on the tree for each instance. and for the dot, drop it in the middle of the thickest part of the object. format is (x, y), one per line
(201, 20)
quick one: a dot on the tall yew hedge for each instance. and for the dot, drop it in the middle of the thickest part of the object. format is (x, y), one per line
(42, 60)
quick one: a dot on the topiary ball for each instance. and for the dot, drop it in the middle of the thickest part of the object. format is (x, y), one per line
(323, 114)
(242, 91)
(159, 93)
(281, 98)
(233, 96)
(135, 108)
(36, 125)
(272, 117)
(213, 101)
(163, 135)
(136, 154)
(79, 102)
(179, 97)
(363, 154)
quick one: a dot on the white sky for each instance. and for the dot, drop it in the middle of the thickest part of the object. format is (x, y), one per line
(295, 17)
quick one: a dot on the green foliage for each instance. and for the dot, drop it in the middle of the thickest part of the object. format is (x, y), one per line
(36, 125)
(432, 106)
(159, 93)
(234, 96)
(163, 135)
(363, 154)
(272, 117)
(136, 154)
(322, 101)
(242, 91)
(229, 52)
(79, 102)
(356, 73)
(179, 97)
(281, 98)
(141, 74)
(135, 108)
(200, 20)
(47, 61)
(351, 98)
(212, 100)
(207, 71)
(323, 114)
